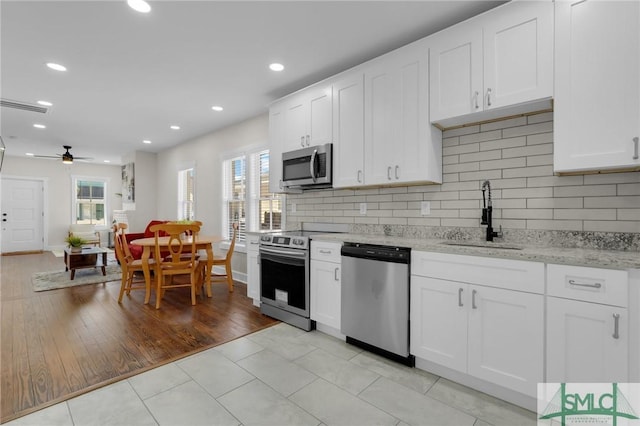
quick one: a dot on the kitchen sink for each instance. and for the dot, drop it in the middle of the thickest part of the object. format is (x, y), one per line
(482, 244)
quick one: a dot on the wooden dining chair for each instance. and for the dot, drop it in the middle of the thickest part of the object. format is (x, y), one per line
(129, 265)
(224, 261)
(181, 259)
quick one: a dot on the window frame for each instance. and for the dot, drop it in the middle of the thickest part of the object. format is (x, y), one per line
(182, 171)
(75, 179)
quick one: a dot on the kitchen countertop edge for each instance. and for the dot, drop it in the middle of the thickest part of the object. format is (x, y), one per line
(552, 255)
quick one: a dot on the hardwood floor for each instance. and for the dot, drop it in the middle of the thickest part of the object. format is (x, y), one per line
(57, 344)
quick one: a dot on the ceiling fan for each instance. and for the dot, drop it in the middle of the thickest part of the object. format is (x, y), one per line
(67, 158)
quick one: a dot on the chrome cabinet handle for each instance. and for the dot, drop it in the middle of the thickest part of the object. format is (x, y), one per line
(473, 299)
(635, 148)
(254, 243)
(280, 183)
(389, 173)
(302, 141)
(489, 97)
(397, 169)
(359, 176)
(616, 326)
(307, 140)
(475, 95)
(460, 297)
(335, 274)
(325, 251)
(594, 285)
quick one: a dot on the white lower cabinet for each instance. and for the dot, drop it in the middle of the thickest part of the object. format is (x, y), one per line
(325, 275)
(491, 333)
(253, 269)
(587, 325)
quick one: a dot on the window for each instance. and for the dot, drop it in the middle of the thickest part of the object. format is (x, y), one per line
(90, 202)
(186, 197)
(246, 196)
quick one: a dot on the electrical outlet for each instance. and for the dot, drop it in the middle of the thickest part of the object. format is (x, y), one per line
(363, 208)
(294, 207)
(425, 208)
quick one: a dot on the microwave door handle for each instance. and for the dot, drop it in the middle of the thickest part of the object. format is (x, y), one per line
(312, 165)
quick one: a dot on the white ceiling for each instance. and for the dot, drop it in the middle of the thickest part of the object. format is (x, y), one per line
(131, 75)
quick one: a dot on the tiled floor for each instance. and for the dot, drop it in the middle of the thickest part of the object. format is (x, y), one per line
(282, 376)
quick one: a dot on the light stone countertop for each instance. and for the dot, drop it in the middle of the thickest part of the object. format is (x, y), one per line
(562, 256)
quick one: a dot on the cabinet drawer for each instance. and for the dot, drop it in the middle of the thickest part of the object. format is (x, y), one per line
(606, 286)
(252, 242)
(329, 252)
(502, 273)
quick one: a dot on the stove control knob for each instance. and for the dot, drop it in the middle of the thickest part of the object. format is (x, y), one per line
(265, 238)
(298, 242)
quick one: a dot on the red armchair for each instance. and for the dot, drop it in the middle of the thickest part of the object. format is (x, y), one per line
(136, 251)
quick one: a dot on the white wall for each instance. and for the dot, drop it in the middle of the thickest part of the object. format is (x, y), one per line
(146, 190)
(205, 154)
(58, 210)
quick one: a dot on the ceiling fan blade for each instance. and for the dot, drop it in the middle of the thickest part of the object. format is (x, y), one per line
(57, 156)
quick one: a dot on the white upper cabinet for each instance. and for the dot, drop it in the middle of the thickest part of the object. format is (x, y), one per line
(348, 131)
(597, 80)
(400, 144)
(308, 119)
(497, 64)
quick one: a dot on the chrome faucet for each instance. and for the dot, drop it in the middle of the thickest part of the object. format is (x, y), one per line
(487, 212)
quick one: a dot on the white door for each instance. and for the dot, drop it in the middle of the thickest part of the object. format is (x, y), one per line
(22, 215)
(348, 131)
(597, 85)
(455, 72)
(581, 342)
(506, 337)
(325, 293)
(439, 321)
(518, 54)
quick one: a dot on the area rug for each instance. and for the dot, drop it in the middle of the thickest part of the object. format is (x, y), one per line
(51, 280)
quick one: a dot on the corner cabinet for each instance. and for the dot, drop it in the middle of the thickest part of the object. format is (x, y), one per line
(597, 80)
(503, 58)
(326, 279)
(253, 268)
(588, 330)
(480, 316)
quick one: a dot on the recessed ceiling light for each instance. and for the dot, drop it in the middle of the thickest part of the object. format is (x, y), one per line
(146, 141)
(276, 67)
(175, 127)
(106, 161)
(139, 6)
(217, 108)
(39, 126)
(45, 103)
(29, 154)
(56, 67)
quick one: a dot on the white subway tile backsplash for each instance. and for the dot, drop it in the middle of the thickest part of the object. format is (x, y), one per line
(516, 155)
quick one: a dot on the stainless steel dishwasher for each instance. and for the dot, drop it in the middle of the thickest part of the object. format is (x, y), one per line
(375, 299)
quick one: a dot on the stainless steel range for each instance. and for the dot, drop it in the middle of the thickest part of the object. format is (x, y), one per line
(284, 274)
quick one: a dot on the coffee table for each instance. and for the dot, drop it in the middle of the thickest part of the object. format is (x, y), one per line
(86, 258)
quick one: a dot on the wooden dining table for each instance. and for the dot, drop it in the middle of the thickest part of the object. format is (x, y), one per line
(148, 245)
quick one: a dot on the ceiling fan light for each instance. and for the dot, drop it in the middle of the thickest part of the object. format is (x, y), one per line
(67, 158)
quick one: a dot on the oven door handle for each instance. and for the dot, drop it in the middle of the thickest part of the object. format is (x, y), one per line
(291, 253)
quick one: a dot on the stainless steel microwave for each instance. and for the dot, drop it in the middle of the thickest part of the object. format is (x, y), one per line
(308, 167)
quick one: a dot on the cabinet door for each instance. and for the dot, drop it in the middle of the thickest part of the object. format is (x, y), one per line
(380, 122)
(455, 71)
(253, 275)
(439, 321)
(325, 293)
(518, 54)
(581, 346)
(319, 126)
(348, 131)
(506, 337)
(597, 85)
(295, 123)
(276, 136)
